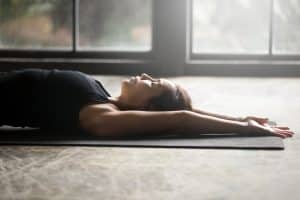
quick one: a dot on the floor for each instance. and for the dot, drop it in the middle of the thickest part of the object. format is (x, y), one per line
(29, 172)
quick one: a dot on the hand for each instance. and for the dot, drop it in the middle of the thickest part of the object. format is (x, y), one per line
(260, 120)
(280, 131)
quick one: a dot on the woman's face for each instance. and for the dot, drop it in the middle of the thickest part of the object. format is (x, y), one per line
(138, 90)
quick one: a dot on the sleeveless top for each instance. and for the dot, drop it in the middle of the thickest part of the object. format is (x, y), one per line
(47, 99)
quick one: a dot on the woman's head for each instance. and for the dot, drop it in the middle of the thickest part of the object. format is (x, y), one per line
(146, 93)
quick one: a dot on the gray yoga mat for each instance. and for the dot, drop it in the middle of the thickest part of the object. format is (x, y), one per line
(17, 136)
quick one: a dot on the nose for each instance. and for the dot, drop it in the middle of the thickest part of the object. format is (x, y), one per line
(144, 75)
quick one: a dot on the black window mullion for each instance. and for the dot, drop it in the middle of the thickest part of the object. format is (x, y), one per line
(75, 29)
(169, 35)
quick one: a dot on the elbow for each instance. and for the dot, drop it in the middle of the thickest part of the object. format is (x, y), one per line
(180, 121)
(102, 130)
(184, 115)
(187, 117)
(102, 127)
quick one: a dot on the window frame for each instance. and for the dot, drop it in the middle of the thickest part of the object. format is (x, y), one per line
(73, 52)
(171, 52)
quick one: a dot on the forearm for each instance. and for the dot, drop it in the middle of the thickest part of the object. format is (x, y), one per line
(202, 124)
(217, 115)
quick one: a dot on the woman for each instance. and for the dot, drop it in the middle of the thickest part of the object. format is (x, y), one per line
(71, 100)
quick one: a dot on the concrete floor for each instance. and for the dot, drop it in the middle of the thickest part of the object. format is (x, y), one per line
(28, 172)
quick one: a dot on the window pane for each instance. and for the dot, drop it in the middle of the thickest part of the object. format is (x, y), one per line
(231, 26)
(286, 26)
(115, 25)
(35, 24)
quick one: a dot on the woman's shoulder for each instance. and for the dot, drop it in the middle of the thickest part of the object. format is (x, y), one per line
(96, 108)
(100, 106)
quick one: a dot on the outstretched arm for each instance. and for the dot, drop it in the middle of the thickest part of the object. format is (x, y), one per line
(104, 121)
(221, 116)
(260, 120)
(250, 125)
(119, 123)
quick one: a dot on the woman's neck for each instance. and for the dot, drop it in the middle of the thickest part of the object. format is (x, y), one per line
(120, 103)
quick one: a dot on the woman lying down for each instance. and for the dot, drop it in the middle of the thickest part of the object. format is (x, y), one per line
(71, 100)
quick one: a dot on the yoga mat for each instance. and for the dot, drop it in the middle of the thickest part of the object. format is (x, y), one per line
(17, 136)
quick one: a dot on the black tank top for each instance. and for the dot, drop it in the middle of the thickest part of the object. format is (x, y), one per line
(49, 99)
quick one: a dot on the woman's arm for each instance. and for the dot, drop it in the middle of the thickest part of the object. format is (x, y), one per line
(105, 121)
(260, 120)
(221, 116)
(250, 126)
(121, 123)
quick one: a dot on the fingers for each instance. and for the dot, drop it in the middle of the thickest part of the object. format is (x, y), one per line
(278, 127)
(283, 133)
(280, 134)
(280, 131)
(290, 133)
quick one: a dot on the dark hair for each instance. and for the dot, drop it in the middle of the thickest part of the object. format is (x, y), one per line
(167, 101)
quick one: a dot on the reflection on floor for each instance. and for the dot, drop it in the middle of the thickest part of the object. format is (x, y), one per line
(32, 172)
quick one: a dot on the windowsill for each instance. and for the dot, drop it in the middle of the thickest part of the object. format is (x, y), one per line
(246, 62)
(73, 60)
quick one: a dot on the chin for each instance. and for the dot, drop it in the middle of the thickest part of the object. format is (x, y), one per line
(125, 83)
(124, 86)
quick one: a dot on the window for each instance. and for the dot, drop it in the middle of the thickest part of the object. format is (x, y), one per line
(231, 26)
(122, 25)
(261, 27)
(171, 37)
(115, 25)
(35, 24)
(286, 27)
